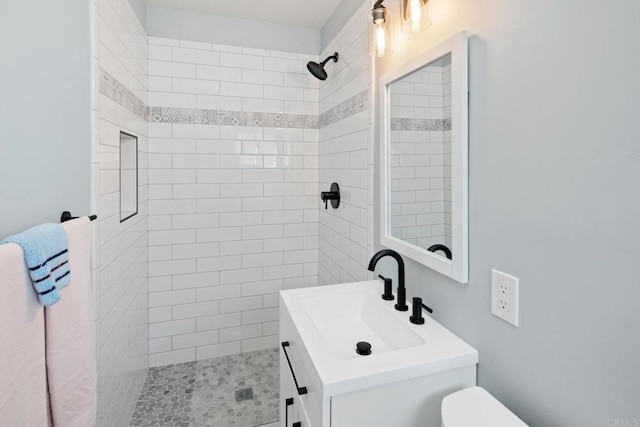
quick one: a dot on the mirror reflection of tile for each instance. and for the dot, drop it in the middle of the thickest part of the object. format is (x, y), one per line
(420, 150)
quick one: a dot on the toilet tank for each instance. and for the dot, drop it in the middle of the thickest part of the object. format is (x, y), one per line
(475, 407)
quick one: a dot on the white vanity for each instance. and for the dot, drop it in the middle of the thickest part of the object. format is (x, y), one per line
(324, 382)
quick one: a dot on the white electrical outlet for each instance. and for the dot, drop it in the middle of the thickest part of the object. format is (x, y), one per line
(504, 296)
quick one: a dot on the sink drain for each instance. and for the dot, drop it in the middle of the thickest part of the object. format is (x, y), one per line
(363, 348)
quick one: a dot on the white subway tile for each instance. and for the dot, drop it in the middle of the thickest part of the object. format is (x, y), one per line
(171, 176)
(159, 314)
(305, 256)
(241, 61)
(241, 90)
(250, 204)
(171, 237)
(159, 284)
(218, 350)
(254, 105)
(220, 292)
(259, 316)
(212, 102)
(223, 234)
(241, 247)
(168, 268)
(172, 100)
(240, 218)
(283, 244)
(242, 133)
(219, 146)
(195, 280)
(207, 323)
(262, 175)
(194, 340)
(196, 56)
(196, 250)
(261, 343)
(219, 176)
(262, 232)
(283, 272)
(222, 74)
(218, 205)
(174, 327)
(240, 332)
(159, 345)
(262, 260)
(160, 84)
(196, 161)
(187, 311)
(282, 217)
(199, 87)
(195, 45)
(263, 77)
(261, 288)
(159, 253)
(195, 131)
(240, 276)
(219, 263)
(270, 328)
(171, 69)
(172, 357)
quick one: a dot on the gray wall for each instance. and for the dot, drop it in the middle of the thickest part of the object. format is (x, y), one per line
(554, 200)
(338, 20)
(140, 9)
(45, 127)
(231, 31)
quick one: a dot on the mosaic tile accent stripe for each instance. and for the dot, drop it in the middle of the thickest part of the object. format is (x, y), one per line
(111, 88)
(432, 125)
(231, 118)
(348, 108)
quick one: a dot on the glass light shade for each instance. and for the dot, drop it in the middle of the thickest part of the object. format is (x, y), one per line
(381, 32)
(415, 15)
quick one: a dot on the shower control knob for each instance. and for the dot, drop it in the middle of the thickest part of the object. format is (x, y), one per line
(333, 195)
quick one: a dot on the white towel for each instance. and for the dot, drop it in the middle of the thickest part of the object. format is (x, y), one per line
(23, 377)
(70, 337)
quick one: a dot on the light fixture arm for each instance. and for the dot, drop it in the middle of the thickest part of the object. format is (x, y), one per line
(378, 4)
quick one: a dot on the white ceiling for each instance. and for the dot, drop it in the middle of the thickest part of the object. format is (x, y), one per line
(299, 13)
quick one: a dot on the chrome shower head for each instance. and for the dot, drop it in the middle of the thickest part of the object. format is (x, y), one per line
(318, 69)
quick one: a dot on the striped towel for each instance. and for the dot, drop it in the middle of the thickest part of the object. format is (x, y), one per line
(46, 253)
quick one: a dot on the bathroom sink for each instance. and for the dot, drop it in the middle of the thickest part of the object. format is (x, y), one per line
(331, 320)
(347, 315)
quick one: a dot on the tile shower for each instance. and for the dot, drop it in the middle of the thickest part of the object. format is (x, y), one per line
(236, 145)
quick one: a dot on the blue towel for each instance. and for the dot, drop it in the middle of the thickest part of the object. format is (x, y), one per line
(46, 253)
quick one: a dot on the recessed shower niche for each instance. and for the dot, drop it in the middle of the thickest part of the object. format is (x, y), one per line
(128, 176)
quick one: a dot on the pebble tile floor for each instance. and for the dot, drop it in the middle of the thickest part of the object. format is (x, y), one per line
(202, 394)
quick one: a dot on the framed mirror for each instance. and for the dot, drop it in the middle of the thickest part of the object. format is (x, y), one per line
(424, 161)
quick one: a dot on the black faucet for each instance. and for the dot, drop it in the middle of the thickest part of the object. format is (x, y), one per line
(401, 305)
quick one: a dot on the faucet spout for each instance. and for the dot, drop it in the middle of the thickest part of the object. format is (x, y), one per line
(402, 292)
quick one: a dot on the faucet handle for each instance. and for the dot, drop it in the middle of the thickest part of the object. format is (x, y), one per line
(417, 318)
(388, 284)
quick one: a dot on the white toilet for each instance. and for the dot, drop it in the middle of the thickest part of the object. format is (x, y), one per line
(475, 407)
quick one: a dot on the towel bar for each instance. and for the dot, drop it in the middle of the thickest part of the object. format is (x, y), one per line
(66, 216)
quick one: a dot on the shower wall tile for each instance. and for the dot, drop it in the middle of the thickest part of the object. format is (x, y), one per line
(232, 180)
(345, 157)
(121, 266)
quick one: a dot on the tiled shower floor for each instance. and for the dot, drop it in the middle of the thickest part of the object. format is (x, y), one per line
(203, 393)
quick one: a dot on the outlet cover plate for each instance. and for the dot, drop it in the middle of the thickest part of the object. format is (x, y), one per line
(505, 294)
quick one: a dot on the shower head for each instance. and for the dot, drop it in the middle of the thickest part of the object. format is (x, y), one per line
(318, 69)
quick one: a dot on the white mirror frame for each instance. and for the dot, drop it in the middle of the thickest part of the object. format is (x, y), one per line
(458, 268)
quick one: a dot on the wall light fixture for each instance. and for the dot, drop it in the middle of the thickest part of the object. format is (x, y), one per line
(415, 15)
(382, 28)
